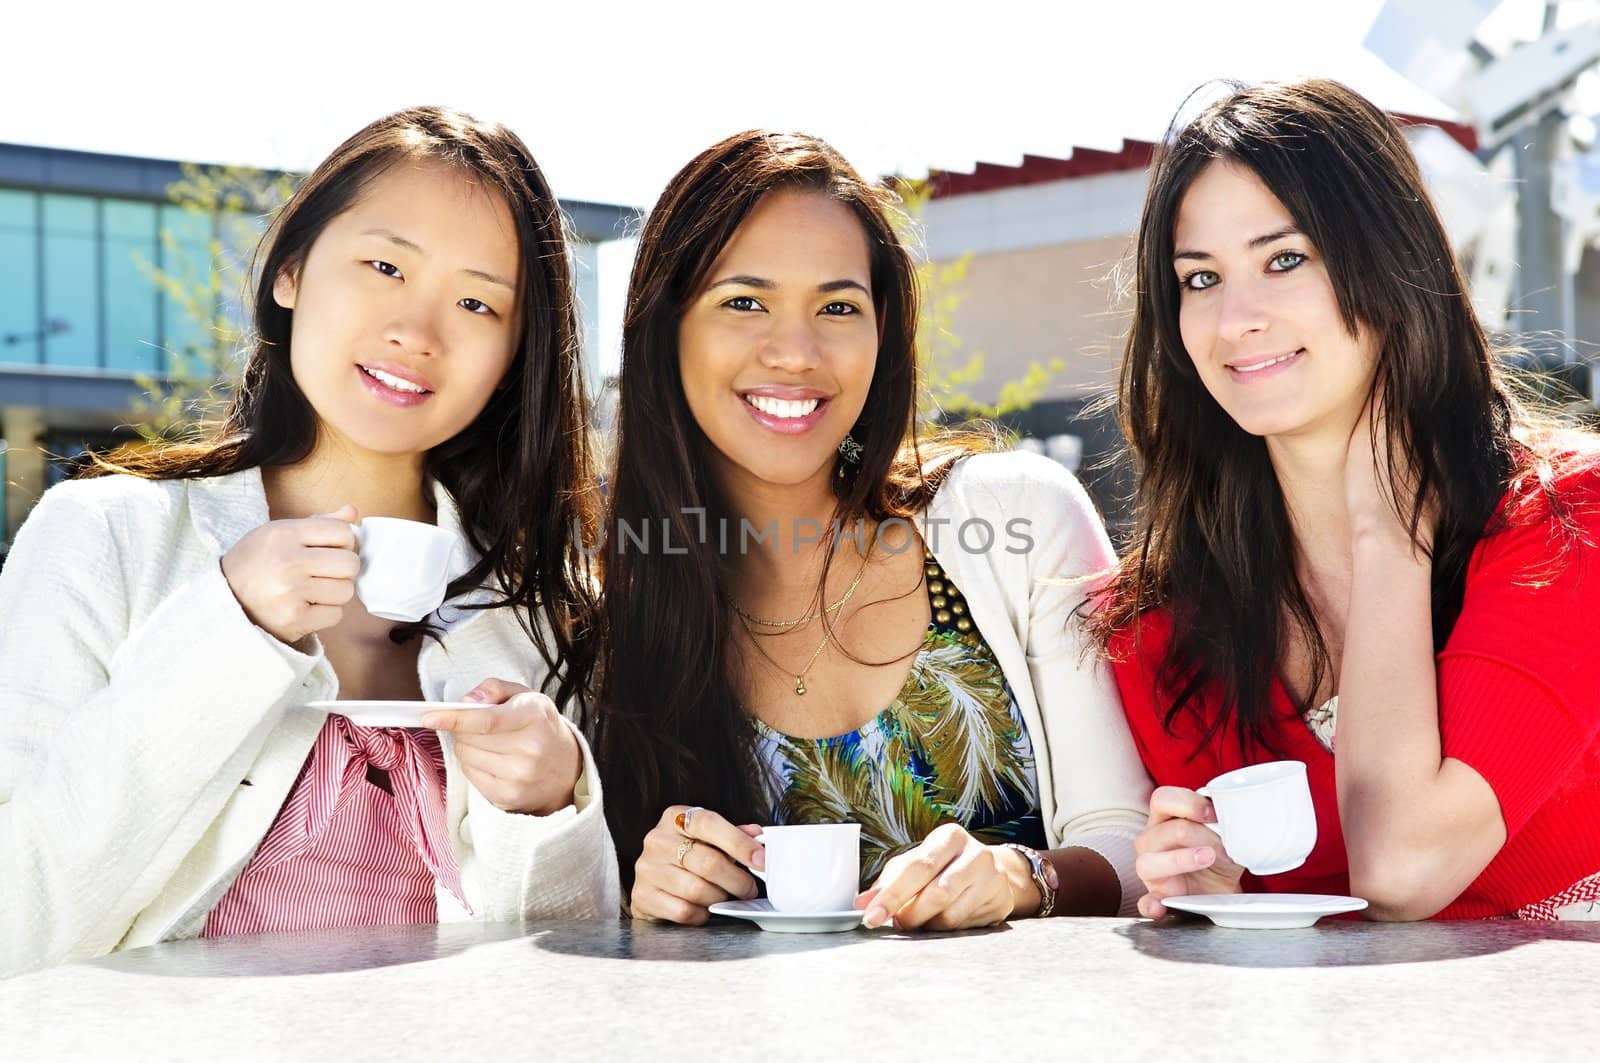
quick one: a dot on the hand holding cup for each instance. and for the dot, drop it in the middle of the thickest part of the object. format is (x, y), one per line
(693, 858)
(1180, 854)
(1258, 818)
(293, 578)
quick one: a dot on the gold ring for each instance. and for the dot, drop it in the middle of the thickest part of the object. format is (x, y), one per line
(683, 851)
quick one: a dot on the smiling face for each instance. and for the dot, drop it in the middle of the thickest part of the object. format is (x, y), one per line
(405, 314)
(1258, 313)
(776, 351)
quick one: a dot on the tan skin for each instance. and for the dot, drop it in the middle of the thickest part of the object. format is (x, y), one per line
(788, 305)
(1419, 827)
(419, 276)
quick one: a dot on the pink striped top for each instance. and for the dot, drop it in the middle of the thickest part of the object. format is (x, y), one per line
(343, 851)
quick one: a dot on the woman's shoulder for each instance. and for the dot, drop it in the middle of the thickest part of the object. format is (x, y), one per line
(1559, 488)
(1141, 643)
(1013, 479)
(116, 501)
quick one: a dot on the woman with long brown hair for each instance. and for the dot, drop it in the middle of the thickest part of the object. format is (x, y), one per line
(833, 622)
(166, 621)
(1349, 536)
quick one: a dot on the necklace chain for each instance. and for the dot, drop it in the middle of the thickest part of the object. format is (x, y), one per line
(827, 635)
(815, 613)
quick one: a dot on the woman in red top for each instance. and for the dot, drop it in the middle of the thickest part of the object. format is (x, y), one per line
(1346, 526)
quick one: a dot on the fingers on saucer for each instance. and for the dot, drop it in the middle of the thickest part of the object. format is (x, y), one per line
(903, 878)
(865, 898)
(493, 691)
(491, 719)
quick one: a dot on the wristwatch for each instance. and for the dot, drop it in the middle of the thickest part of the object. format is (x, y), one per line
(1044, 877)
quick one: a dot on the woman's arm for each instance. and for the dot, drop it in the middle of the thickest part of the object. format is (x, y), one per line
(517, 865)
(1419, 827)
(121, 736)
(1102, 791)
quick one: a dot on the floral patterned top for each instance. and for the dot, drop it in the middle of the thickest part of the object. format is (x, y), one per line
(951, 747)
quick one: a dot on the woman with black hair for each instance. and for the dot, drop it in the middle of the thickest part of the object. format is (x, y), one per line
(837, 621)
(165, 622)
(1348, 535)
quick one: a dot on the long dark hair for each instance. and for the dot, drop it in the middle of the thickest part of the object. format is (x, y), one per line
(1212, 541)
(668, 726)
(520, 473)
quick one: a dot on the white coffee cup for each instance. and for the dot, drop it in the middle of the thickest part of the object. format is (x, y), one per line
(1264, 815)
(405, 566)
(812, 867)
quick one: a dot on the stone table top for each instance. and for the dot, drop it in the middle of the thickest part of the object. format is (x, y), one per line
(1036, 989)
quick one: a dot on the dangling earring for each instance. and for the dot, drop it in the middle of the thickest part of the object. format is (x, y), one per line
(849, 454)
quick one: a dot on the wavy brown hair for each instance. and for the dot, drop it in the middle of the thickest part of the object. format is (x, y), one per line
(1212, 542)
(520, 473)
(668, 725)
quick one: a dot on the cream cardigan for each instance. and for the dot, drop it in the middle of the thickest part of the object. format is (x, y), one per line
(149, 732)
(1093, 789)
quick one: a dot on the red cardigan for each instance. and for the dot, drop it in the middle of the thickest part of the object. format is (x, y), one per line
(1519, 702)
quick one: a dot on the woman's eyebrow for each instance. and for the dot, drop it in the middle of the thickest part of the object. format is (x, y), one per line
(743, 280)
(1255, 242)
(1274, 236)
(410, 245)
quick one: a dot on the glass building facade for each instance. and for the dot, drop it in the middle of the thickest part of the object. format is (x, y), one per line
(77, 281)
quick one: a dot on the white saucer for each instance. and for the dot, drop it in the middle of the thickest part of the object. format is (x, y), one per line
(1265, 911)
(769, 918)
(387, 713)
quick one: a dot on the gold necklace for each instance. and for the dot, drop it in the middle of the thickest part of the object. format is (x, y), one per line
(800, 676)
(834, 608)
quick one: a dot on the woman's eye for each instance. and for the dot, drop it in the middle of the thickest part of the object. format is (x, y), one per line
(384, 268)
(1284, 261)
(1200, 280)
(742, 302)
(840, 310)
(476, 306)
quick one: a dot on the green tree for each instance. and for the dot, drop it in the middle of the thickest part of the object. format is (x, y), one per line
(949, 373)
(236, 203)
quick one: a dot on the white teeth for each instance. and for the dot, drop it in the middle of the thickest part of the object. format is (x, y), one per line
(785, 408)
(1263, 365)
(390, 380)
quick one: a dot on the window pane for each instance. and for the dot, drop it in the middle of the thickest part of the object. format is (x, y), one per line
(71, 282)
(186, 259)
(132, 313)
(19, 277)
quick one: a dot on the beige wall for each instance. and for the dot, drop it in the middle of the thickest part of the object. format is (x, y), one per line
(1040, 303)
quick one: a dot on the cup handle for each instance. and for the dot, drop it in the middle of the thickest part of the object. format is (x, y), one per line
(1216, 826)
(762, 875)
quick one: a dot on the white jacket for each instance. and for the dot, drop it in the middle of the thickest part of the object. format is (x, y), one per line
(149, 732)
(1093, 789)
